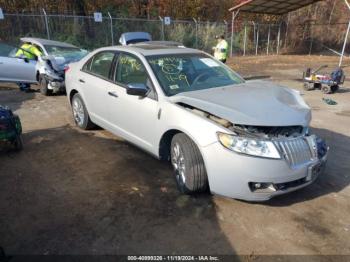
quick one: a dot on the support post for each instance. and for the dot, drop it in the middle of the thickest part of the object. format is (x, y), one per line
(232, 24)
(162, 21)
(234, 14)
(196, 28)
(46, 24)
(285, 37)
(330, 16)
(278, 38)
(245, 39)
(344, 45)
(110, 19)
(346, 37)
(268, 40)
(311, 39)
(225, 22)
(257, 39)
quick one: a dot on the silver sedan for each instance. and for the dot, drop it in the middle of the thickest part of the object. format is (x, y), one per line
(242, 139)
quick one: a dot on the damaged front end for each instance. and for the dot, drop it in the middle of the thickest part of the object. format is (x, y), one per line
(293, 144)
(54, 76)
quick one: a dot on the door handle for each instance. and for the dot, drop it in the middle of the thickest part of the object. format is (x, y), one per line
(81, 81)
(113, 94)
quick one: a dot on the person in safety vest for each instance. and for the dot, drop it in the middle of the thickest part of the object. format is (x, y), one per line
(221, 49)
(31, 52)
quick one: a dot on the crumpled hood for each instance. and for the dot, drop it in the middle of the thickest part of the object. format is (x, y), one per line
(60, 62)
(258, 103)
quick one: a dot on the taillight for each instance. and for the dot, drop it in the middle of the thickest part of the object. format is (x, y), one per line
(66, 68)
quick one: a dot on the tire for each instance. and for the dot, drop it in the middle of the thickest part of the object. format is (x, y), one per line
(80, 113)
(188, 164)
(334, 88)
(44, 90)
(326, 89)
(17, 143)
(308, 86)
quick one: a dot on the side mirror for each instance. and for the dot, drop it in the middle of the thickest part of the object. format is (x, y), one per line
(137, 89)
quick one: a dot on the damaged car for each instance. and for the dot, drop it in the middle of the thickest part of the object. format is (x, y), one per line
(241, 139)
(51, 65)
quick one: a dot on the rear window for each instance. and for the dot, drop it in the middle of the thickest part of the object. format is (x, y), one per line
(134, 41)
(100, 64)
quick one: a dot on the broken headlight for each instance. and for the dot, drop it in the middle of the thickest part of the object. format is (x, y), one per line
(249, 146)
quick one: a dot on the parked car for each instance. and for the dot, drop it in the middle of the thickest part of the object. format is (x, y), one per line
(48, 69)
(134, 37)
(242, 139)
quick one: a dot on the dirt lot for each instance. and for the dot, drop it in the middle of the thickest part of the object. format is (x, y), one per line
(74, 192)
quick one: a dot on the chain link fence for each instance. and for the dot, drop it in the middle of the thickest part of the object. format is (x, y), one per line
(248, 38)
(282, 38)
(84, 32)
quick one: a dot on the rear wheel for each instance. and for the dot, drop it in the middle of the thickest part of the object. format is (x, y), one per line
(80, 113)
(188, 164)
(44, 90)
(308, 86)
(334, 88)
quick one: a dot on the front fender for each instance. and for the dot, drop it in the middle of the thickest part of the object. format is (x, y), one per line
(200, 129)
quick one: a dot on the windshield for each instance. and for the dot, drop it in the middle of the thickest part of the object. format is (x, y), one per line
(189, 72)
(66, 52)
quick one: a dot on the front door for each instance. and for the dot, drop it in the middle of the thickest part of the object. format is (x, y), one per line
(133, 117)
(15, 69)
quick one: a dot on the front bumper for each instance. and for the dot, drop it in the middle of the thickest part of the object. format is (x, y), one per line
(56, 82)
(231, 174)
(57, 86)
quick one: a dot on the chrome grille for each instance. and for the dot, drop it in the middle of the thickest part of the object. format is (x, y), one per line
(296, 151)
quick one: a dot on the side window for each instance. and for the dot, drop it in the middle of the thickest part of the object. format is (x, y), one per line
(87, 65)
(130, 70)
(100, 64)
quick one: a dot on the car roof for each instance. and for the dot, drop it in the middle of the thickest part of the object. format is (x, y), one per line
(40, 41)
(160, 43)
(148, 50)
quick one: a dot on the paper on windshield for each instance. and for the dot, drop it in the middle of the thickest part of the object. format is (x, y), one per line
(209, 62)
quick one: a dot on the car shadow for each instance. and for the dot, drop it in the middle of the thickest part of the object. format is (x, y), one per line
(73, 192)
(335, 178)
(342, 90)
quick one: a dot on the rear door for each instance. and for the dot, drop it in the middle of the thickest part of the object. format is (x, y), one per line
(15, 69)
(95, 80)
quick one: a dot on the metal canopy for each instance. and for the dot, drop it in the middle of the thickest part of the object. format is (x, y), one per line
(272, 7)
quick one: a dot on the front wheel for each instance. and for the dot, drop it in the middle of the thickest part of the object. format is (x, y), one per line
(44, 86)
(18, 143)
(80, 113)
(188, 164)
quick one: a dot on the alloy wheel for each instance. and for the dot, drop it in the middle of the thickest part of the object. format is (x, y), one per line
(78, 112)
(178, 162)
